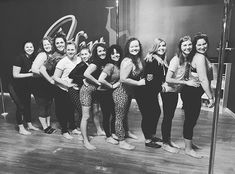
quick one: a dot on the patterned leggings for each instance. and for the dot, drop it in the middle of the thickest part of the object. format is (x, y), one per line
(122, 101)
(87, 95)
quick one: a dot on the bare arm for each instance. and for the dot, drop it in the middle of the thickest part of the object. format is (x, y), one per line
(44, 73)
(38, 62)
(91, 68)
(57, 77)
(103, 81)
(200, 63)
(170, 79)
(126, 68)
(16, 73)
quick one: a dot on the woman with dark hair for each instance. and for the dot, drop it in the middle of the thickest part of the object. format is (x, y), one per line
(20, 89)
(109, 78)
(48, 68)
(131, 72)
(87, 91)
(42, 90)
(64, 83)
(191, 95)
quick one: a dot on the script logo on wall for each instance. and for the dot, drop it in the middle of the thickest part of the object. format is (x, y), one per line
(57, 26)
(60, 22)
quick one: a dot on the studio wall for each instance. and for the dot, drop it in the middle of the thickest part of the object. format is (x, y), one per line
(172, 19)
(145, 19)
(29, 20)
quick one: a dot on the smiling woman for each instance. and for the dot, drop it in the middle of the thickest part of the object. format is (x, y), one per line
(61, 76)
(20, 89)
(42, 89)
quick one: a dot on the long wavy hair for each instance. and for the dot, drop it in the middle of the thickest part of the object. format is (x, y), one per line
(110, 51)
(154, 47)
(95, 57)
(179, 52)
(194, 43)
(134, 57)
(59, 35)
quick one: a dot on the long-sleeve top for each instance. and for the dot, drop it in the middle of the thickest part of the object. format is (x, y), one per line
(154, 76)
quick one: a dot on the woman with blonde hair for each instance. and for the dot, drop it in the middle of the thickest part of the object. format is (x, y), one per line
(64, 83)
(155, 71)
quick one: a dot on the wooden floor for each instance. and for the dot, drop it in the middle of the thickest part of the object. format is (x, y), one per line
(40, 153)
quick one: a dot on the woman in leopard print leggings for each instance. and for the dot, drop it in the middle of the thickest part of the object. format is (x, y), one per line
(130, 77)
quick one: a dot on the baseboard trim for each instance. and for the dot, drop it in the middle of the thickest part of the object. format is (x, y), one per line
(227, 110)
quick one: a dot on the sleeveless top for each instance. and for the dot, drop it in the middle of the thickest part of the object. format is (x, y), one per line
(135, 74)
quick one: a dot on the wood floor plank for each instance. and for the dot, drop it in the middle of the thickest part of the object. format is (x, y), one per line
(42, 153)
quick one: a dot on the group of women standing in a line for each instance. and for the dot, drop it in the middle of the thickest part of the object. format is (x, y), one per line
(105, 76)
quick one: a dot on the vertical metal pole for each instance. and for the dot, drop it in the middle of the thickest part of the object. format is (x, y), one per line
(117, 21)
(4, 114)
(224, 34)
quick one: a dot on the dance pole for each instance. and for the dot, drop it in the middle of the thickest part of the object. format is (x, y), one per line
(117, 21)
(222, 49)
(4, 114)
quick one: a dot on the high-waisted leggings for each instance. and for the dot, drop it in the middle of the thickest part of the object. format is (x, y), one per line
(64, 110)
(22, 99)
(150, 111)
(105, 99)
(191, 97)
(43, 94)
(169, 100)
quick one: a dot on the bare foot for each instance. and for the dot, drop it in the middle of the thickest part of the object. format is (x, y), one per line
(76, 132)
(31, 127)
(125, 145)
(101, 133)
(67, 136)
(169, 148)
(193, 154)
(89, 146)
(131, 135)
(111, 140)
(115, 136)
(175, 145)
(80, 137)
(24, 132)
(195, 147)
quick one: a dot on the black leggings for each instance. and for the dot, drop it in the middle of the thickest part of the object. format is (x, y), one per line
(191, 98)
(148, 104)
(42, 92)
(105, 99)
(74, 95)
(22, 99)
(64, 110)
(169, 100)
